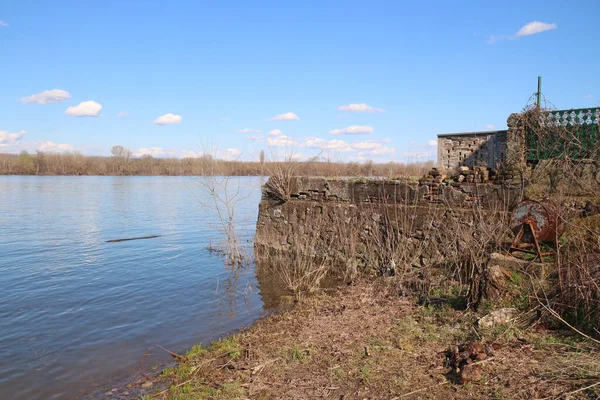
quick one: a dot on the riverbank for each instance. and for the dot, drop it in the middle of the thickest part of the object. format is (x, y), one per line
(124, 163)
(371, 341)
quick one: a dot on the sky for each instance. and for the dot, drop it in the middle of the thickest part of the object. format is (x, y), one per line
(341, 80)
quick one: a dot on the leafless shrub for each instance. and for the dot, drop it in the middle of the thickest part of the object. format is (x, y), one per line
(301, 269)
(578, 270)
(221, 195)
(281, 176)
(562, 154)
(392, 242)
(562, 150)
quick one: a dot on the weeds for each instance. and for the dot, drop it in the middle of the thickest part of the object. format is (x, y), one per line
(301, 271)
(297, 353)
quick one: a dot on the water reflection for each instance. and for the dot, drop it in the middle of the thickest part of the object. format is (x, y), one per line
(76, 312)
(271, 287)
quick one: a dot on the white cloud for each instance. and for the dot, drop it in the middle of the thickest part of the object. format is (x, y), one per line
(9, 139)
(152, 151)
(432, 143)
(46, 97)
(280, 141)
(289, 116)
(315, 143)
(85, 109)
(256, 138)
(373, 148)
(275, 132)
(224, 118)
(496, 38)
(383, 150)
(51, 147)
(285, 156)
(249, 130)
(535, 27)
(338, 145)
(531, 28)
(490, 127)
(353, 130)
(172, 152)
(167, 119)
(3, 24)
(360, 108)
(47, 147)
(190, 154)
(230, 154)
(123, 114)
(588, 96)
(364, 147)
(367, 145)
(12, 143)
(334, 145)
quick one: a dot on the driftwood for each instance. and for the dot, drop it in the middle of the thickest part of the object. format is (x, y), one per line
(174, 355)
(136, 238)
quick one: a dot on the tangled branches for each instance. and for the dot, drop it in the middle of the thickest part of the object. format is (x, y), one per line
(563, 146)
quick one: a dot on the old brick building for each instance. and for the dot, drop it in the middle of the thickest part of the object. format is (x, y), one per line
(472, 149)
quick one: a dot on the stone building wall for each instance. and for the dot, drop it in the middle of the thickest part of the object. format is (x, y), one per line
(472, 149)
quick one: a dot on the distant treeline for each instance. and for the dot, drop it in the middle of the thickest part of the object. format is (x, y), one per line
(123, 163)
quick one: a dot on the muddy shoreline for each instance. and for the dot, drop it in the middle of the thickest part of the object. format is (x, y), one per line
(147, 379)
(373, 340)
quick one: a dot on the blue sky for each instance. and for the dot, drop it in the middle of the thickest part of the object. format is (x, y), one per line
(349, 80)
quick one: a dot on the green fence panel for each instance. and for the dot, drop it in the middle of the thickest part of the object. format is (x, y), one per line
(565, 133)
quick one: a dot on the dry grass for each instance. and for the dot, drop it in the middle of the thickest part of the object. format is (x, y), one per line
(578, 269)
(301, 271)
(365, 341)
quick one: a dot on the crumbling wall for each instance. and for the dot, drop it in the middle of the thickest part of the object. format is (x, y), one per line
(375, 222)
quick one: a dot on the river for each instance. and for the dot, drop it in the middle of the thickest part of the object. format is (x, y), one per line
(77, 313)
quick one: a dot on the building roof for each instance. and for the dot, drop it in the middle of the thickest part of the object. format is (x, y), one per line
(478, 133)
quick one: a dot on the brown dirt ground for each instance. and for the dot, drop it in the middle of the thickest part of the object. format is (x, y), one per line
(368, 342)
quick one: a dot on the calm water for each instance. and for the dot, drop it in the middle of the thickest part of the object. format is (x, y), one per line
(77, 312)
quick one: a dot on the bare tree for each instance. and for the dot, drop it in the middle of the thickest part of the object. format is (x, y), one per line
(26, 163)
(122, 161)
(122, 156)
(224, 195)
(262, 162)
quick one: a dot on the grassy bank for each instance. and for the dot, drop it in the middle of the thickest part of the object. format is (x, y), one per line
(370, 341)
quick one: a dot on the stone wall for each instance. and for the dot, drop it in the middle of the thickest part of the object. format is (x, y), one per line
(471, 149)
(392, 191)
(376, 221)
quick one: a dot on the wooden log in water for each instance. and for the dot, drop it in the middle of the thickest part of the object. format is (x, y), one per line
(136, 238)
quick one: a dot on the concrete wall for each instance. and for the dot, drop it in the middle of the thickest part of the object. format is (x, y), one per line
(483, 149)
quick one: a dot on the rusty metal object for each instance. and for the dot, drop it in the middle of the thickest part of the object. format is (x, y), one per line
(541, 217)
(533, 222)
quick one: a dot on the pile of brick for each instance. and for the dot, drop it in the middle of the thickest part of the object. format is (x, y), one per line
(474, 175)
(433, 179)
(436, 179)
(505, 175)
